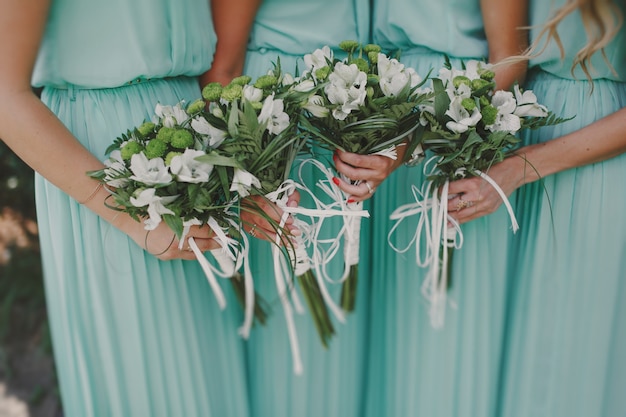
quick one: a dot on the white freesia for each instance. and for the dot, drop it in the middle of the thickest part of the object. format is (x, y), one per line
(505, 119)
(273, 114)
(243, 181)
(252, 94)
(214, 136)
(171, 115)
(149, 172)
(304, 86)
(346, 88)
(461, 119)
(188, 169)
(114, 168)
(460, 92)
(287, 79)
(318, 59)
(527, 105)
(156, 206)
(315, 105)
(394, 76)
(473, 68)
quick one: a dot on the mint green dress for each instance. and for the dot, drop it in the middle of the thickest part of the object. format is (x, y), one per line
(567, 329)
(332, 379)
(132, 335)
(415, 369)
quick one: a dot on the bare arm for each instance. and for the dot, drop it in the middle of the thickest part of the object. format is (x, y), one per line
(39, 138)
(504, 21)
(233, 21)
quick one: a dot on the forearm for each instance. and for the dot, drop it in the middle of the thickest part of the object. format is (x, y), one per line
(596, 142)
(504, 22)
(232, 20)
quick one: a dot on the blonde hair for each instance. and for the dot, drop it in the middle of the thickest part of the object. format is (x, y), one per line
(601, 19)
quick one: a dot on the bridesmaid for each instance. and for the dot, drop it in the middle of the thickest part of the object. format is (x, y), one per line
(566, 334)
(414, 369)
(134, 334)
(331, 383)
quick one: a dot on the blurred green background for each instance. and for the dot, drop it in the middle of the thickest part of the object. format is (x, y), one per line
(26, 365)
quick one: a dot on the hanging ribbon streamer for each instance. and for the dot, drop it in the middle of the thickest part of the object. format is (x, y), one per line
(440, 232)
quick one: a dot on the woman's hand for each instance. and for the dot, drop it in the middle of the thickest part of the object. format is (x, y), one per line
(162, 242)
(263, 228)
(369, 170)
(474, 197)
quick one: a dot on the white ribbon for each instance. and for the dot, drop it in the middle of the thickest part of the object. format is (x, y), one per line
(440, 232)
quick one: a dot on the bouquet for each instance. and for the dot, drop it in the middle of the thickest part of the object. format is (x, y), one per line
(260, 119)
(366, 103)
(174, 169)
(468, 126)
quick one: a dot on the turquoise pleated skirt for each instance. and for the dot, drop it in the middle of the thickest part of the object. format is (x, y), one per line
(132, 335)
(567, 327)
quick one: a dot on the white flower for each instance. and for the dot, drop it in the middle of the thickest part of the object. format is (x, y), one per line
(304, 86)
(243, 181)
(171, 115)
(461, 92)
(461, 119)
(447, 75)
(474, 67)
(188, 169)
(252, 94)
(527, 105)
(346, 88)
(149, 172)
(272, 113)
(287, 79)
(156, 206)
(392, 76)
(315, 105)
(214, 135)
(505, 119)
(318, 59)
(115, 168)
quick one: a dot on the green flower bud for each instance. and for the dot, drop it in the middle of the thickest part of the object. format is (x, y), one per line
(265, 82)
(322, 73)
(361, 64)
(349, 45)
(165, 134)
(182, 139)
(212, 91)
(130, 148)
(169, 156)
(373, 79)
(196, 106)
(484, 101)
(487, 75)
(489, 114)
(155, 149)
(145, 129)
(468, 104)
(232, 92)
(241, 80)
(479, 84)
(369, 91)
(461, 79)
(256, 105)
(371, 47)
(373, 57)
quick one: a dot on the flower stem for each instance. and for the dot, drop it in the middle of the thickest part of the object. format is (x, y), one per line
(348, 289)
(317, 306)
(240, 290)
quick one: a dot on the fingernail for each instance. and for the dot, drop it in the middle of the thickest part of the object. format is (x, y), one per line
(336, 180)
(292, 203)
(295, 232)
(350, 201)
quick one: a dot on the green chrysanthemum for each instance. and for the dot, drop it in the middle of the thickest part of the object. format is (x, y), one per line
(241, 80)
(468, 104)
(145, 129)
(196, 107)
(361, 64)
(373, 57)
(155, 149)
(232, 92)
(265, 82)
(372, 47)
(461, 79)
(165, 134)
(489, 114)
(130, 148)
(349, 45)
(182, 139)
(487, 75)
(479, 84)
(322, 73)
(212, 91)
(169, 156)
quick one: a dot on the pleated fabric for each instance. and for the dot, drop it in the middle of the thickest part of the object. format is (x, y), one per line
(132, 335)
(567, 326)
(332, 380)
(415, 369)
